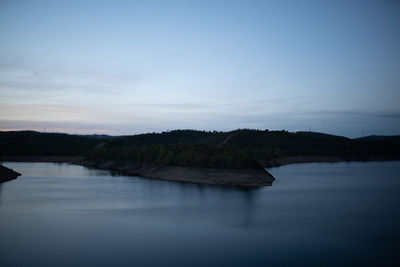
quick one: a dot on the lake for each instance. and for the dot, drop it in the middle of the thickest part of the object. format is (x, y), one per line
(316, 214)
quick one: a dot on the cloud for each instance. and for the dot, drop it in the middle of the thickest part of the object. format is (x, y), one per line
(17, 78)
(93, 101)
(393, 114)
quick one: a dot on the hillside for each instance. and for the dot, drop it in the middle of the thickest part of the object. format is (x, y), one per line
(31, 143)
(236, 149)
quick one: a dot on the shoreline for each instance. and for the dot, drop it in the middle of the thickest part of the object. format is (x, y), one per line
(50, 159)
(282, 161)
(250, 177)
(255, 177)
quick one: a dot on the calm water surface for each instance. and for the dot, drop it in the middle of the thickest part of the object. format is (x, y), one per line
(320, 214)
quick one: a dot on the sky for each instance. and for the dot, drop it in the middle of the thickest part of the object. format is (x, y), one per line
(128, 67)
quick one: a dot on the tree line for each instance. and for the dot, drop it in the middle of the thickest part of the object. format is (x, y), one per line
(197, 148)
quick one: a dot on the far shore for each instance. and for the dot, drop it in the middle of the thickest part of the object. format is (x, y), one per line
(53, 159)
(275, 162)
(281, 161)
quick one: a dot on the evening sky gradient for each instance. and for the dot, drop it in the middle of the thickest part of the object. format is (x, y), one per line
(125, 67)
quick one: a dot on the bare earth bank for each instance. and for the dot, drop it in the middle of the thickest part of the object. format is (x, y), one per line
(254, 177)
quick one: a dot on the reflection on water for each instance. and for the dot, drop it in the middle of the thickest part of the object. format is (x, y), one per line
(313, 215)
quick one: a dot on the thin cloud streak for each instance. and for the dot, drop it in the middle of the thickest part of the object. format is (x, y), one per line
(41, 80)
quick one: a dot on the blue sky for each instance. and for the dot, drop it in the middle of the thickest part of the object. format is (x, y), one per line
(125, 67)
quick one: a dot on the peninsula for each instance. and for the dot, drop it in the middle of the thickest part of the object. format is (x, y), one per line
(7, 174)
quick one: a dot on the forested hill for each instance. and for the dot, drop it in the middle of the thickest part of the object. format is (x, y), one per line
(235, 149)
(31, 143)
(238, 139)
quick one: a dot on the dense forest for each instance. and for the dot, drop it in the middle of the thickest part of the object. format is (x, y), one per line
(30, 143)
(236, 149)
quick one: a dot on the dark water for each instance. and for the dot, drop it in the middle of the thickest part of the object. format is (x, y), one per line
(313, 215)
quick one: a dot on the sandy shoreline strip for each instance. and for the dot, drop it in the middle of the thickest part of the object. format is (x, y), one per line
(254, 177)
